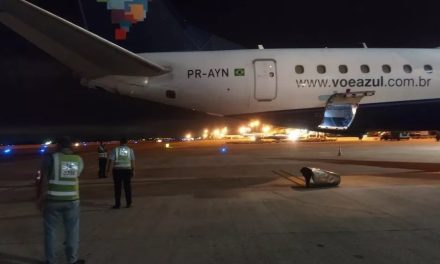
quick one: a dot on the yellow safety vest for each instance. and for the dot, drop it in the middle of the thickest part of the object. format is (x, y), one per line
(102, 153)
(122, 157)
(63, 180)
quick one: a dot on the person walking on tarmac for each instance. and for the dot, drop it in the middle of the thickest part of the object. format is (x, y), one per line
(58, 198)
(102, 160)
(122, 165)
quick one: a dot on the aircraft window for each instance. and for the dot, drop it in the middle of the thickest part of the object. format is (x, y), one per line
(386, 68)
(320, 69)
(428, 68)
(299, 69)
(170, 94)
(343, 69)
(365, 68)
(407, 68)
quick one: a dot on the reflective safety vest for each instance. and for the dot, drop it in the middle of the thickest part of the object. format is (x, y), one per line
(102, 153)
(63, 181)
(122, 157)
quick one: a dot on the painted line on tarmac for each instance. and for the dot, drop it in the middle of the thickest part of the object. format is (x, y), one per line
(286, 175)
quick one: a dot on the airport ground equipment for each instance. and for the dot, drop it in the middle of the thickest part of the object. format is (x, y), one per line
(316, 177)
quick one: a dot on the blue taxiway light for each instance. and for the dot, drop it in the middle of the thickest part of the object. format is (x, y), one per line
(223, 150)
(7, 151)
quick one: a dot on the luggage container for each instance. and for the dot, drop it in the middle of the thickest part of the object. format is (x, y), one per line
(316, 177)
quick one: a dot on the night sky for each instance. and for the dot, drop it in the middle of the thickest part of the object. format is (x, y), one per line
(315, 24)
(41, 95)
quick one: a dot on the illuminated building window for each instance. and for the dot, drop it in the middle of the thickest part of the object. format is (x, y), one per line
(365, 68)
(386, 68)
(407, 68)
(428, 68)
(320, 69)
(299, 69)
(343, 68)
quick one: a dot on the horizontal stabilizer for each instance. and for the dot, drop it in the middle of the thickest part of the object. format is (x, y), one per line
(85, 53)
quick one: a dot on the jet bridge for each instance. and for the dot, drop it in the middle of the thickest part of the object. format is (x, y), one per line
(341, 108)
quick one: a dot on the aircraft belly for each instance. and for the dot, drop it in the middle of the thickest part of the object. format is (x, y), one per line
(306, 98)
(220, 97)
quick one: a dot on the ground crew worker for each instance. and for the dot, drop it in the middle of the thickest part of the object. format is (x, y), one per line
(59, 199)
(102, 159)
(121, 164)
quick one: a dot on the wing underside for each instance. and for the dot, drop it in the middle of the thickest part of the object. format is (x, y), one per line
(87, 54)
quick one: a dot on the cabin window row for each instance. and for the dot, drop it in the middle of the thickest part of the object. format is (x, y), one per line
(299, 69)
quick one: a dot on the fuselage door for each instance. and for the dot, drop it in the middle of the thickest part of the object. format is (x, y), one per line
(265, 79)
(341, 108)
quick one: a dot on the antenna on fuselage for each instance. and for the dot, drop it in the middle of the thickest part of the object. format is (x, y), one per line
(364, 45)
(260, 47)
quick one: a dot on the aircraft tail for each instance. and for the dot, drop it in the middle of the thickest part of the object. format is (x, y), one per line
(147, 26)
(85, 53)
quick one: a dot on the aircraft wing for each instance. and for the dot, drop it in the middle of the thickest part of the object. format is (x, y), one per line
(85, 53)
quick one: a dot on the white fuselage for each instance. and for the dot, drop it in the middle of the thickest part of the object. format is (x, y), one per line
(230, 82)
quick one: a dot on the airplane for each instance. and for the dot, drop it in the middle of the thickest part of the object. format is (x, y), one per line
(335, 90)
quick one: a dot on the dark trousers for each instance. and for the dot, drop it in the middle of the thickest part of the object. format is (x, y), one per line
(102, 166)
(122, 177)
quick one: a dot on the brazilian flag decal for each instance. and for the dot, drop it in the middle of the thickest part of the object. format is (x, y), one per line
(239, 71)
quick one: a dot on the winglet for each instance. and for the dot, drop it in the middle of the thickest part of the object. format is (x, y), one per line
(84, 52)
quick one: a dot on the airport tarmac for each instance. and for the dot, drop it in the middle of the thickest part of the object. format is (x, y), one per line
(194, 203)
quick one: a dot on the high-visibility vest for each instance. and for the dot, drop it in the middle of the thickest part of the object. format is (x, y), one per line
(122, 157)
(102, 153)
(63, 180)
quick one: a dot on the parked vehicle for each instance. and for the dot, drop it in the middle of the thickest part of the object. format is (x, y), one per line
(395, 135)
(437, 135)
(420, 134)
